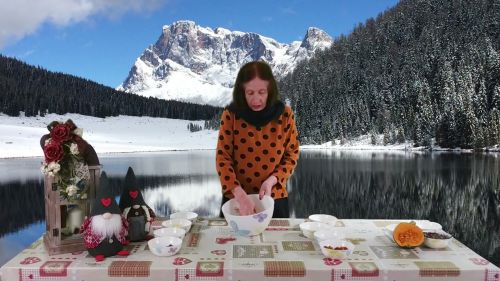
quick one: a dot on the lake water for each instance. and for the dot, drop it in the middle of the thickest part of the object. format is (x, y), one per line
(460, 191)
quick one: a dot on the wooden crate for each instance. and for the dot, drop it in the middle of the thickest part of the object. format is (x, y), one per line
(56, 242)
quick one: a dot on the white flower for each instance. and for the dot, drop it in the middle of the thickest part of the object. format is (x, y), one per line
(43, 168)
(54, 167)
(78, 132)
(71, 190)
(47, 141)
(50, 169)
(74, 149)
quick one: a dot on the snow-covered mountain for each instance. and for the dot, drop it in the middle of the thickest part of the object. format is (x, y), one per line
(199, 64)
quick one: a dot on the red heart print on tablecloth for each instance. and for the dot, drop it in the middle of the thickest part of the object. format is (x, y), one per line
(181, 261)
(330, 261)
(133, 194)
(106, 201)
(30, 260)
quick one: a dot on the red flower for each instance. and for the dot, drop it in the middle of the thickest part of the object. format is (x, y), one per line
(61, 133)
(53, 152)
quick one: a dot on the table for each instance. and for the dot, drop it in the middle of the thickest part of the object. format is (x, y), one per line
(211, 251)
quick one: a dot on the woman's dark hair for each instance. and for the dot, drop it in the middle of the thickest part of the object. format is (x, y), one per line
(248, 72)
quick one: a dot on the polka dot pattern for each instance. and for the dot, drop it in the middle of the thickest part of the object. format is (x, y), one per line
(247, 155)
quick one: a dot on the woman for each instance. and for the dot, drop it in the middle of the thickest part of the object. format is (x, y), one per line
(258, 148)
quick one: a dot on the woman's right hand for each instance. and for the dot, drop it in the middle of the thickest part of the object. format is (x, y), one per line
(245, 204)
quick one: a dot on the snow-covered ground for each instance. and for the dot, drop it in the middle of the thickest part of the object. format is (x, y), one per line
(20, 136)
(362, 143)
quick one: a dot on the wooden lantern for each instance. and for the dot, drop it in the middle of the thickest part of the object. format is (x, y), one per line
(63, 218)
(61, 237)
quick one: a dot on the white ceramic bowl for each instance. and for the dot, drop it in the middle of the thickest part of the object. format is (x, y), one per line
(424, 225)
(184, 215)
(329, 219)
(165, 246)
(252, 224)
(180, 223)
(429, 226)
(170, 231)
(439, 241)
(326, 234)
(310, 227)
(328, 248)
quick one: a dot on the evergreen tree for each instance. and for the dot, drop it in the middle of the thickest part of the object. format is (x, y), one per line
(427, 68)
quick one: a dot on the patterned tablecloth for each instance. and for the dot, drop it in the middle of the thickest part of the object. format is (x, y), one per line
(211, 251)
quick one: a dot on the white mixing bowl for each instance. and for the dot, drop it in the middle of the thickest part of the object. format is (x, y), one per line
(252, 224)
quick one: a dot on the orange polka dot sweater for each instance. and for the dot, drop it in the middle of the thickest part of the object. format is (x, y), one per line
(247, 155)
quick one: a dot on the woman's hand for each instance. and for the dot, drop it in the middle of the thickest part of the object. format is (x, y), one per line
(245, 204)
(267, 186)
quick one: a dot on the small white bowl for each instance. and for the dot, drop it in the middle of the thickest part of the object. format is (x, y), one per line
(329, 219)
(437, 242)
(180, 223)
(424, 225)
(429, 226)
(184, 215)
(328, 248)
(308, 228)
(165, 246)
(170, 231)
(325, 234)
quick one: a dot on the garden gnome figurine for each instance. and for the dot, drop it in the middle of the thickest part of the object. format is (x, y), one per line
(105, 232)
(138, 214)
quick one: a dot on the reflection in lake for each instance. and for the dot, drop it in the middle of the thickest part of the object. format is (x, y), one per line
(460, 191)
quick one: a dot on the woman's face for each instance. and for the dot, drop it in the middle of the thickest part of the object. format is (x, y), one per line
(256, 93)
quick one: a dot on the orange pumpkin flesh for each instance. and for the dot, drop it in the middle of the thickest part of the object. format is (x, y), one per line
(408, 235)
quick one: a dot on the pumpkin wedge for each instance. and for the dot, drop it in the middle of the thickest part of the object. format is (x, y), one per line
(408, 235)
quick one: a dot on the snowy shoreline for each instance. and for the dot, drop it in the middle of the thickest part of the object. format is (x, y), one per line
(19, 136)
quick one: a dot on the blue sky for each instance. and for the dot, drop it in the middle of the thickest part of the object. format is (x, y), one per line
(100, 39)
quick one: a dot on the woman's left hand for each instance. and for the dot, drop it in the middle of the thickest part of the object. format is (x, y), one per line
(267, 186)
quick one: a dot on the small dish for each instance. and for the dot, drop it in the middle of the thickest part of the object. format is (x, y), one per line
(170, 231)
(181, 223)
(327, 234)
(424, 225)
(437, 239)
(184, 215)
(308, 228)
(429, 226)
(328, 219)
(165, 246)
(338, 249)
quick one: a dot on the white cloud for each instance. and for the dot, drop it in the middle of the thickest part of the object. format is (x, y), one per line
(22, 17)
(288, 10)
